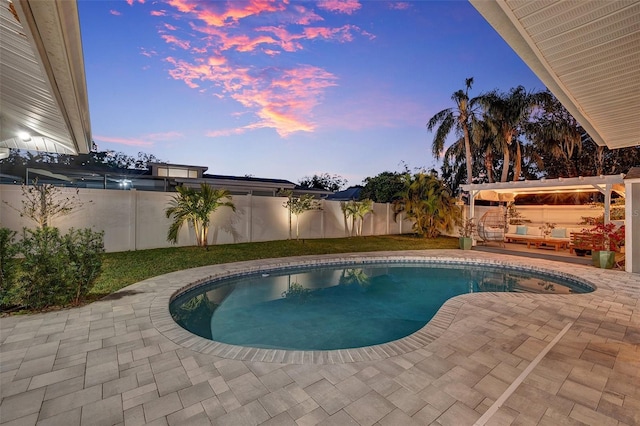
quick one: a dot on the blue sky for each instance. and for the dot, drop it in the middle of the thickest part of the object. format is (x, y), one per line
(285, 89)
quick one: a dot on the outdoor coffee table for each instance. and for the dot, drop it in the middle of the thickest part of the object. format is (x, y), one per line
(547, 242)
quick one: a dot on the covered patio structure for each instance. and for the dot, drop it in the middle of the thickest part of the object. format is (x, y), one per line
(606, 185)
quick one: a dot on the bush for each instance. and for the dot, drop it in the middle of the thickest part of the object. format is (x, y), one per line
(57, 269)
(8, 249)
(45, 268)
(84, 248)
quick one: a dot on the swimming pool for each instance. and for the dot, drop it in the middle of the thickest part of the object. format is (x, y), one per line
(342, 305)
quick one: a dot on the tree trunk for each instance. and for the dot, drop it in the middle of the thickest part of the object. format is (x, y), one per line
(488, 164)
(505, 164)
(517, 168)
(467, 153)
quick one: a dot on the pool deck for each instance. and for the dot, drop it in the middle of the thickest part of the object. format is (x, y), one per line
(486, 358)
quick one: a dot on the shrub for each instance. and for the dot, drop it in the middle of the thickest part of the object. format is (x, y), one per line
(57, 269)
(8, 249)
(45, 268)
(84, 248)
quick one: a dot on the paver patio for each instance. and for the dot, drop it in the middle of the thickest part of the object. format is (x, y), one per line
(571, 360)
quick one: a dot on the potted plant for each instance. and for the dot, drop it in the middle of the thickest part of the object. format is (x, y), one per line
(546, 228)
(466, 228)
(612, 238)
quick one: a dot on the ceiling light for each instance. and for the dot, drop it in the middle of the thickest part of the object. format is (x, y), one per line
(24, 136)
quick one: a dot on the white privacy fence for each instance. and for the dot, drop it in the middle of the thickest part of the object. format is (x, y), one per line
(135, 220)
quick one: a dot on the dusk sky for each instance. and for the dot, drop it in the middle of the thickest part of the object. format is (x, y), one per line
(285, 89)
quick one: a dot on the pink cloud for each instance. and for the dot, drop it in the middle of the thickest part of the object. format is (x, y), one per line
(174, 40)
(340, 6)
(165, 136)
(123, 141)
(115, 12)
(158, 13)
(221, 35)
(148, 53)
(226, 132)
(146, 140)
(220, 14)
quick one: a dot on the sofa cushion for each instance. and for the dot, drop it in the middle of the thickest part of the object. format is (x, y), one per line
(559, 233)
(534, 231)
(521, 230)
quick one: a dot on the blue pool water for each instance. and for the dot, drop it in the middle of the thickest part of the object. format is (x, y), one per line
(339, 307)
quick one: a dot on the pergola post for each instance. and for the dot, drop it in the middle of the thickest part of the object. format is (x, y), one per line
(607, 203)
(472, 210)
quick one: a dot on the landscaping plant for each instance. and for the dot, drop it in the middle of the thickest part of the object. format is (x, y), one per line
(195, 207)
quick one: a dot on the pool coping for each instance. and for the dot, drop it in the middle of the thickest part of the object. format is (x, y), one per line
(177, 283)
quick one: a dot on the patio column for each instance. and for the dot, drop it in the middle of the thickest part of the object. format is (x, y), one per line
(607, 203)
(632, 222)
(472, 209)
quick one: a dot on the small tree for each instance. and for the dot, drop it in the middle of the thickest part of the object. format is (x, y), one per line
(296, 205)
(42, 202)
(195, 207)
(357, 210)
(324, 181)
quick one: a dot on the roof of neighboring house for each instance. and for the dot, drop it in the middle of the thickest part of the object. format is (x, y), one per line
(351, 193)
(249, 179)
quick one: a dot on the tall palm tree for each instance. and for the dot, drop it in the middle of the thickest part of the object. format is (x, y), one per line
(457, 118)
(428, 202)
(195, 207)
(556, 132)
(506, 114)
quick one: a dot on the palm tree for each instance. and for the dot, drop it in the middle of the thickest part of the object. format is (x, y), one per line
(457, 118)
(428, 202)
(357, 210)
(195, 207)
(506, 115)
(557, 132)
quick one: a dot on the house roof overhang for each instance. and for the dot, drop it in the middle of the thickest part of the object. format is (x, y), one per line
(586, 52)
(42, 78)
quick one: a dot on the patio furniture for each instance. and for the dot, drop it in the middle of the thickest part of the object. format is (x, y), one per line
(491, 226)
(556, 243)
(585, 241)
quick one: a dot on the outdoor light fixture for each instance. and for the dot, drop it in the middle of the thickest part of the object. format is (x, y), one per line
(26, 137)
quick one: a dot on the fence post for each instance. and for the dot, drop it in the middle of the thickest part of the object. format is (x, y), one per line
(250, 218)
(133, 222)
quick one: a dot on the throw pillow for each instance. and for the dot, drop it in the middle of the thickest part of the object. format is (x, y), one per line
(521, 230)
(559, 233)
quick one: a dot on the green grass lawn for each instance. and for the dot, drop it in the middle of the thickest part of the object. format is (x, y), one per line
(125, 268)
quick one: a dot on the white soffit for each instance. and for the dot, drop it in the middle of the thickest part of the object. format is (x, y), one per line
(587, 52)
(42, 79)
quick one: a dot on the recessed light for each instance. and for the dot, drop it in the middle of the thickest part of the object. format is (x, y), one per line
(24, 136)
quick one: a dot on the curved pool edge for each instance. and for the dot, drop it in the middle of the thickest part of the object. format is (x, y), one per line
(178, 282)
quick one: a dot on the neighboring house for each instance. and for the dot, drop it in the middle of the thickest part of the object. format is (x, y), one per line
(159, 177)
(349, 194)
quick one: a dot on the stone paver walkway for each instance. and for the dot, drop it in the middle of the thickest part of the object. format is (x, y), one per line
(571, 360)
